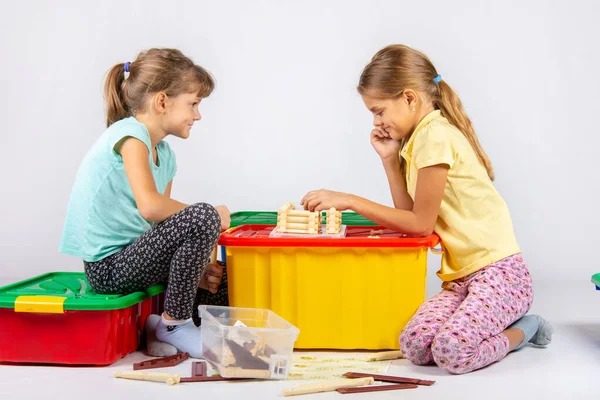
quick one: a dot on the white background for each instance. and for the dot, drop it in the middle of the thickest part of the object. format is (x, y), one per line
(285, 118)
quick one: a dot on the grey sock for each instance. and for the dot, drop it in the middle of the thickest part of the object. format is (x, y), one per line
(543, 337)
(536, 329)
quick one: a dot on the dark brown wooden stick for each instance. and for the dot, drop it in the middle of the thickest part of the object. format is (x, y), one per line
(376, 388)
(199, 368)
(216, 378)
(163, 362)
(389, 378)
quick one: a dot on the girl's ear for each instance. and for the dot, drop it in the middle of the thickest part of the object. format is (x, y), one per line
(160, 102)
(410, 96)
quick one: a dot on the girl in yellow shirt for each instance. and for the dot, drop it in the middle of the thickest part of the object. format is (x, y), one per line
(441, 181)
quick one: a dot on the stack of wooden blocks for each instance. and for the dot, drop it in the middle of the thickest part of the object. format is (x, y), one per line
(290, 220)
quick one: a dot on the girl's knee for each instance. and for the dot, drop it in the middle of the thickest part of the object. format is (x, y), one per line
(446, 352)
(457, 369)
(207, 217)
(415, 347)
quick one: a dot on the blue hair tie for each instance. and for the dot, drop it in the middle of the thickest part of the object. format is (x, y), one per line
(437, 79)
(126, 66)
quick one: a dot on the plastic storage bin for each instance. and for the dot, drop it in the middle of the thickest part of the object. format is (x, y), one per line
(270, 218)
(356, 292)
(247, 343)
(57, 318)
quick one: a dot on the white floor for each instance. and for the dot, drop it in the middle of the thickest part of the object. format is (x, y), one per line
(568, 369)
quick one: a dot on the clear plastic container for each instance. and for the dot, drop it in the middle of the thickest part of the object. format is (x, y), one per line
(247, 342)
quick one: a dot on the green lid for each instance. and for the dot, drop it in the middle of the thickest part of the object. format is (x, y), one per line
(596, 280)
(72, 285)
(270, 218)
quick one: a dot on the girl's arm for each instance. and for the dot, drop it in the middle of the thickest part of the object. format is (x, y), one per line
(152, 205)
(420, 221)
(397, 183)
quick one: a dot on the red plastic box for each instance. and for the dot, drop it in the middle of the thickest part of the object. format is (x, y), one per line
(57, 318)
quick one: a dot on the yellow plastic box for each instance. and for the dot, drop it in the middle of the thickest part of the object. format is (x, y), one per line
(356, 292)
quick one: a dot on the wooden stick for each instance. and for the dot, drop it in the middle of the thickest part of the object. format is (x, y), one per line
(247, 373)
(376, 388)
(300, 231)
(327, 386)
(170, 379)
(385, 355)
(214, 378)
(287, 206)
(297, 219)
(300, 213)
(389, 378)
(301, 226)
(199, 368)
(213, 256)
(162, 362)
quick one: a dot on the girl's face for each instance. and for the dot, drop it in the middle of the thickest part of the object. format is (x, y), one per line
(181, 112)
(397, 117)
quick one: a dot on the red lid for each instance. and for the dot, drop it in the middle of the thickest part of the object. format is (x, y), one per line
(356, 236)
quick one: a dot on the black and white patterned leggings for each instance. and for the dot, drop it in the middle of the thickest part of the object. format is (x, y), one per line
(174, 251)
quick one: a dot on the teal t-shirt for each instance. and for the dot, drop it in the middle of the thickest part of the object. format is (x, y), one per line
(102, 215)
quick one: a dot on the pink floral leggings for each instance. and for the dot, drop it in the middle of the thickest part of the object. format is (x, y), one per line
(460, 329)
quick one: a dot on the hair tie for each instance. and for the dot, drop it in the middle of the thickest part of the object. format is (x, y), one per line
(126, 66)
(437, 79)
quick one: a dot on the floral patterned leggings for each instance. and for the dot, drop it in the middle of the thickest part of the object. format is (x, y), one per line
(460, 329)
(174, 251)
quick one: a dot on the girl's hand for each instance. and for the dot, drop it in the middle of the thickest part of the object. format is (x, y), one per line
(383, 144)
(319, 200)
(211, 278)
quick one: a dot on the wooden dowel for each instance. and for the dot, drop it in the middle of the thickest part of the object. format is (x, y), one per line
(327, 386)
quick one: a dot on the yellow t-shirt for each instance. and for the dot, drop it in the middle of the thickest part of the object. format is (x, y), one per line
(474, 222)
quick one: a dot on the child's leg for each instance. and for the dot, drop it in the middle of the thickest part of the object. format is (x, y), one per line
(472, 337)
(176, 250)
(416, 338)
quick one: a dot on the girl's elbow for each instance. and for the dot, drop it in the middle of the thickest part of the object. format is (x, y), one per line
(424, 230)
(147, 213)
(423, 233)
(416, 232)
(149, 210)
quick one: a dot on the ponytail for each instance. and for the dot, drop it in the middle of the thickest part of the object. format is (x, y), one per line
(452, 109)
(116, 108)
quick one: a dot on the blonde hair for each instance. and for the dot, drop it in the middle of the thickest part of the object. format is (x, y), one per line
(396, 68)
(153, 71)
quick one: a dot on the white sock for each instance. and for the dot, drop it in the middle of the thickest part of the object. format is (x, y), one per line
(184, 335)
(155, 347)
